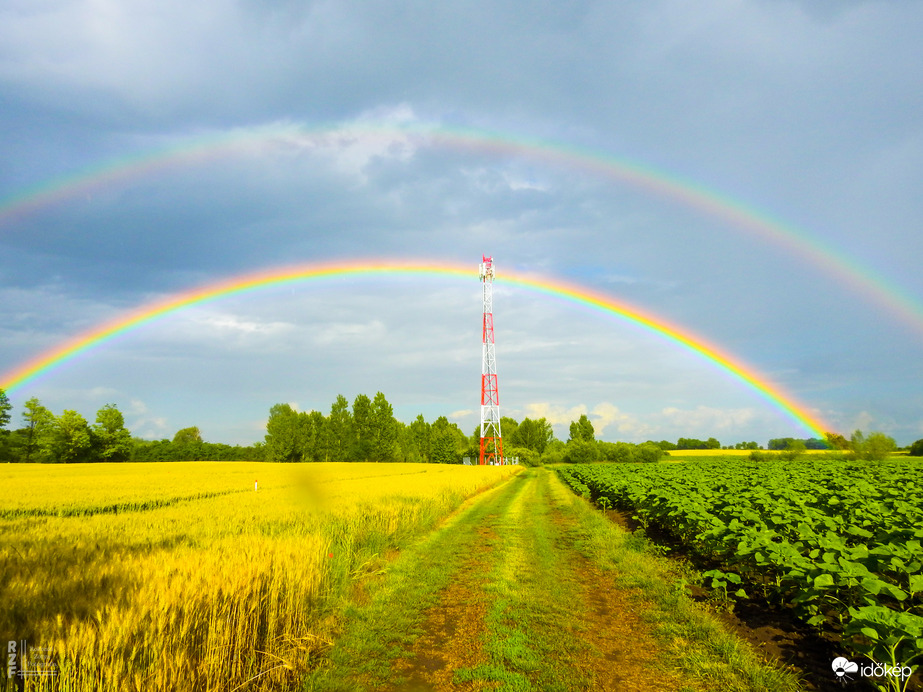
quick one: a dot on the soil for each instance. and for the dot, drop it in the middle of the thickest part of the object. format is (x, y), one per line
(625, 655)
(453, 631)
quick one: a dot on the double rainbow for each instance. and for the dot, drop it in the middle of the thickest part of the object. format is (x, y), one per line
(862, 280)
(54, 358)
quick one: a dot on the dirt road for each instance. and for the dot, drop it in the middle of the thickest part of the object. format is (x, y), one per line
(510, 594)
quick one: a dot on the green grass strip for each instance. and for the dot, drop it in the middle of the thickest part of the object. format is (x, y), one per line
(375, 635)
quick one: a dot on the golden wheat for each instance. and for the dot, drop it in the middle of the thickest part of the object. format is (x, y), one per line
(137, 588)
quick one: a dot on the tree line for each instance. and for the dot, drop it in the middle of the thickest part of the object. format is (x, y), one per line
(66, 438)
(364, 431)
(368, 431)
(69, 438)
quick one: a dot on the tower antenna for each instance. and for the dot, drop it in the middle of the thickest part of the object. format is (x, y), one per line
(491, 441)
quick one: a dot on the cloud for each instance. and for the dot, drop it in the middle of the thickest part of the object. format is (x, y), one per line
(297, 132)
(606, 415)
(102, 392)
(136, 407)
(708, 418)
(555, 414)
(142, 424)
(150, 428)
(350, 333)
(234, 324)
(464, 414)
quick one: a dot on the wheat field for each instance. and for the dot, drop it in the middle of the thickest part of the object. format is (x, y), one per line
(183, 576)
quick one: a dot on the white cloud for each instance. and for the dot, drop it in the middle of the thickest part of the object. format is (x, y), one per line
(463, 415)
(707, 418)
(136, 407)
(349, 147)
(233, 323)
(102, 392)
(352, 333)
(149, 428)
(606, 415)
(555, 414)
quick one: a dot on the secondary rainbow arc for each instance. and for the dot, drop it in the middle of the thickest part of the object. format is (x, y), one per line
(870, 285)
(45, 363)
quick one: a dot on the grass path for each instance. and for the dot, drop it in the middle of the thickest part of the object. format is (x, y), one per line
(525, 588)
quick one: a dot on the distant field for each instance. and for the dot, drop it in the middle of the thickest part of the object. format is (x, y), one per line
(729, 452)
(179, 576)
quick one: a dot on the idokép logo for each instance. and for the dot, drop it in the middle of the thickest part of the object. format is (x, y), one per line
(843, 667)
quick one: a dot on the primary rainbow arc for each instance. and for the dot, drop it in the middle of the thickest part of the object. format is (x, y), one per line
(45, 363)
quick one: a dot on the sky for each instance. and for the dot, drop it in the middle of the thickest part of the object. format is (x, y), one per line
(747, 171)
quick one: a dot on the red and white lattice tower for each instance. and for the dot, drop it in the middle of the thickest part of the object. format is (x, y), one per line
(491, 442)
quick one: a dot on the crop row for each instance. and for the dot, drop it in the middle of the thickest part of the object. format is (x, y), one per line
(840, 540)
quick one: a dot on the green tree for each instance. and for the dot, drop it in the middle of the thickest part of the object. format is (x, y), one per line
(420, 437)
(187, 436)
(581, 451)
(916, 449)
(282, 438)
(363, 430)
(877, 447)
(836, 441)
(532, 434)
(311, 426)
(5, 408)
(616, 451)
(554, 453)
(384, 429)
(339, 430)
(448, 442)
(508, 427)
(111, 439)
(857, 442)
(5, 437)
(582, 430)
(38, 424)
(649, 452)
(69, 440)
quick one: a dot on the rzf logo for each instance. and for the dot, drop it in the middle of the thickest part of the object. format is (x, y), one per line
(12, 666)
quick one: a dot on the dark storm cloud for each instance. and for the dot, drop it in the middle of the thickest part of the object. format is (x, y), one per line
(805, 111)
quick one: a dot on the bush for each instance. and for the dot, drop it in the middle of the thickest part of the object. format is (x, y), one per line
(648, 452)
(581, 452)
(526, 456)
(876, 447)
(615, 451)
(552, 456)
(916, 449)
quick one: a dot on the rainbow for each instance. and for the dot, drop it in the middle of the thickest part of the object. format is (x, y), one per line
(85, 342)
(869, 285)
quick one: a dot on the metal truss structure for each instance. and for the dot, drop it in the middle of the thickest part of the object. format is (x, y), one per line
(491, 440)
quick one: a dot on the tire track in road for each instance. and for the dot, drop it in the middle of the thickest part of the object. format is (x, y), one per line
(527, 611)
(453, 630)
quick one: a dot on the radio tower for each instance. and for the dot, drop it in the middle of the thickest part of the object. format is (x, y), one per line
(491, 443)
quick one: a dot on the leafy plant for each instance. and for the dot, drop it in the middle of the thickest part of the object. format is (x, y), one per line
(838, 539)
